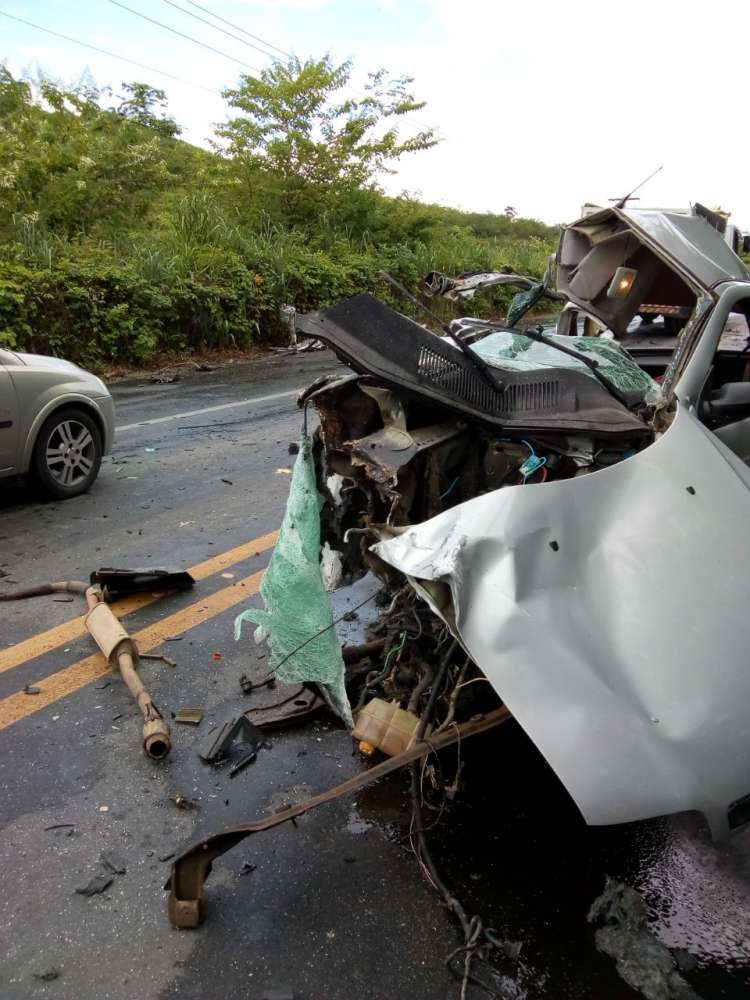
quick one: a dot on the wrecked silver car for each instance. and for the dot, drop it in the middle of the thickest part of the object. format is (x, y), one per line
(552, 518)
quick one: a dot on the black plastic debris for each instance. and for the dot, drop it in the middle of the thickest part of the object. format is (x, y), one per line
(138, 581)
(236, 741)
(96, 886)
(113, 862)
(47, 975)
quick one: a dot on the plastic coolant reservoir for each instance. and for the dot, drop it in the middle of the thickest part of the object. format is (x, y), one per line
(382, 725)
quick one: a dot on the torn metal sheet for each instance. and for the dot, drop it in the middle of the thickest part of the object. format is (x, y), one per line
(466, 286)
(583, 601)
(284, 705)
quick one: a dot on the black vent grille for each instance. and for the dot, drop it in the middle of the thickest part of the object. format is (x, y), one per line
(471, 388)
(532, 396)
(452, 378)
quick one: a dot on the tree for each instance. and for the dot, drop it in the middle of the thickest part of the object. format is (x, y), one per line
(510, 212)
(295, 122)
(140, 106)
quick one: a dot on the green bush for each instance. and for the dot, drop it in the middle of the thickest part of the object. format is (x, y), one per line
(119, 242)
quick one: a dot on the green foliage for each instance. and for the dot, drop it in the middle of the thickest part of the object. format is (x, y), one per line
(118, 241)
(140, 106)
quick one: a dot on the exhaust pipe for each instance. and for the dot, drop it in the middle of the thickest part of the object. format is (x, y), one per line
(119, 649)
(122, 654)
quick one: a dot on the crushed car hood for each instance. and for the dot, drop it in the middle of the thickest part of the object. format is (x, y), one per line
(609, 613)
(534, 394)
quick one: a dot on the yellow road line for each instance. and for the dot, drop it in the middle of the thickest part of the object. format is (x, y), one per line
(45, 642)
(20, 705)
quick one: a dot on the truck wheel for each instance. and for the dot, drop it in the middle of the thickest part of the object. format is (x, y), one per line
(67, 453)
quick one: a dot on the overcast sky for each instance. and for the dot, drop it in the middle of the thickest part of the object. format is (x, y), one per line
(543, 104)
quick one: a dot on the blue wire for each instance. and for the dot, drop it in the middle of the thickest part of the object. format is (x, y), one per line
(532, 454)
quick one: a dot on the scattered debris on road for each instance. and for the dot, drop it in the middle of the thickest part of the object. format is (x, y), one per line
(622, 932)
(96, 886)
(117, 646)
(113, 862)
(47, 975)
(183, 802)
(159, 656)
(192, 866)
(236, 742)
(191, 716)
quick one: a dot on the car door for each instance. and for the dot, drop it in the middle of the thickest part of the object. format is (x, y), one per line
(719, 361)
(9, 416)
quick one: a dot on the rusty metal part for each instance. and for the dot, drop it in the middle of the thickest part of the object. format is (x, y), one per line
(190, 869)
(122, 654)
(193, 716)
(183, 802)
(353, 654)
(159, 656)
(291, 703)
(42, 589)
(120, 651)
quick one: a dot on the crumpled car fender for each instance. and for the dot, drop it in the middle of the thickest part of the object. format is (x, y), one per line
(610, 612)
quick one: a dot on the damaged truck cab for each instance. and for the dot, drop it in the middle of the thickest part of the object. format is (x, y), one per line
(574, 522)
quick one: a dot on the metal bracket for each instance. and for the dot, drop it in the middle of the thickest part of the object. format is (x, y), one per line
(191, 868)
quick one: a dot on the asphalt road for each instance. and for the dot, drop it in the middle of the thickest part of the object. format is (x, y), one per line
(336, 908)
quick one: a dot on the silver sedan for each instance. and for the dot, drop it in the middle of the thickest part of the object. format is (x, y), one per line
(56, 422)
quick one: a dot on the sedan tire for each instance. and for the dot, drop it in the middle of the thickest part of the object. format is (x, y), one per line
(67, 453)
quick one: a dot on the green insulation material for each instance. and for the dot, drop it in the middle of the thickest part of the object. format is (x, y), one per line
(516, 352)
(296, 603)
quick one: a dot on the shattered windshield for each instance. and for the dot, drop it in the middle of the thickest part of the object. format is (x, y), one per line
(517, 352)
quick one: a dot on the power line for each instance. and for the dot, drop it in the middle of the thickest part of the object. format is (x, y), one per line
(140, 65)
(270, 45)
(238, 28)
(182, 35)
(222, 30)
(104, 52)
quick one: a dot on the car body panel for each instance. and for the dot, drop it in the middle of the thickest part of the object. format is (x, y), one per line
(36, 386)
(607, 605)
(9, 436)
(601, 644)
(676, 258)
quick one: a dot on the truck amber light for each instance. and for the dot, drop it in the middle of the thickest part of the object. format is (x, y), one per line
(622, 282)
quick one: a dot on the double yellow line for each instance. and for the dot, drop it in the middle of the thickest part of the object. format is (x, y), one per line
(63, 682)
